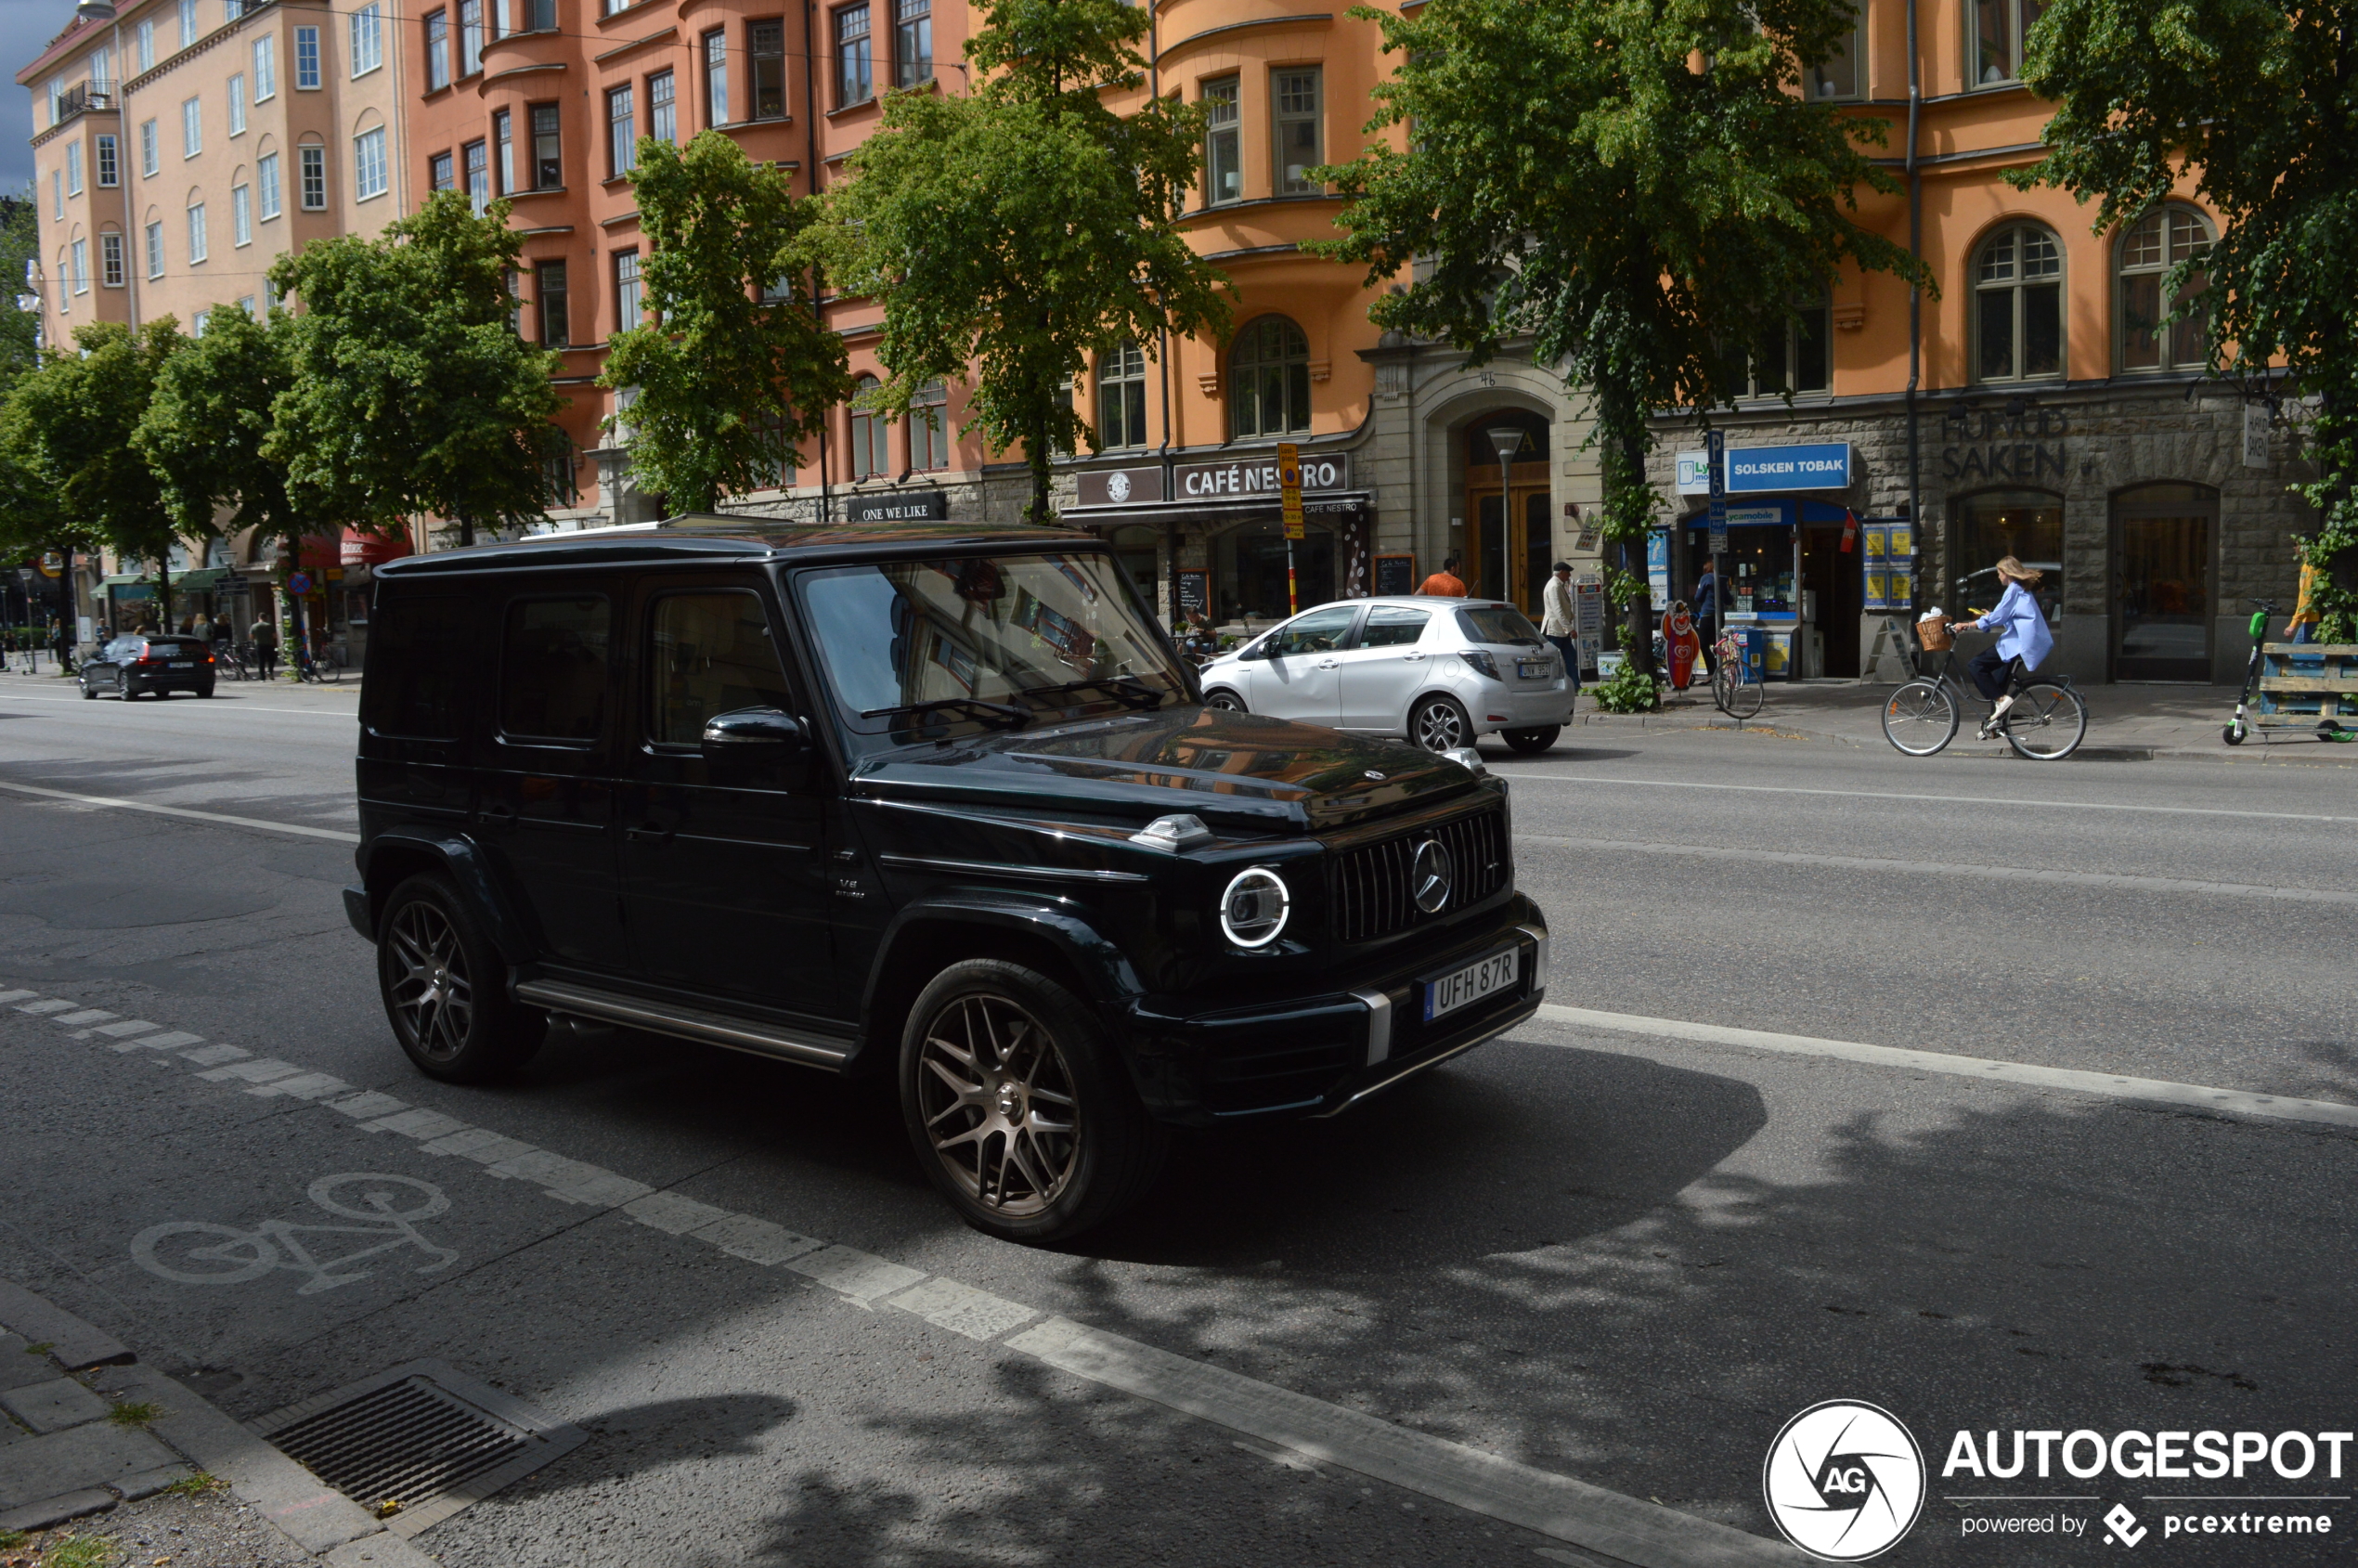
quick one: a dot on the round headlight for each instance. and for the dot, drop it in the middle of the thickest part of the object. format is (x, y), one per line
(1253, 910)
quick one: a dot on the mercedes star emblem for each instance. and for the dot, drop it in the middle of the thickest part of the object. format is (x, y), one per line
(1431, 876)
(1377, 777)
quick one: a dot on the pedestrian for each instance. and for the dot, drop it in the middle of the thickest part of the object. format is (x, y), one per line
(1447, 583)
(1704, 612)
(2303, 627)
(220, 638)
(202, 628)
(1558, 623)
(2022, 635)
(265, 638)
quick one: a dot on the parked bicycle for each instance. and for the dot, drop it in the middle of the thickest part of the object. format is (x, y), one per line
(321, 669)
(2046, 724)
(1733, 690)
(233, 662)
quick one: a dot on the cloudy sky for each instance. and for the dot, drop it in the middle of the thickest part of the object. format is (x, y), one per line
(25, 27)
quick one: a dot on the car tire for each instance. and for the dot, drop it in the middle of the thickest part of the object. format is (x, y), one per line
(204, 691)
(444, 987)
(1222, 700)
(89, 692)
(1438, 724)
(123, 686)
(1016, 1158)
(1531, 743)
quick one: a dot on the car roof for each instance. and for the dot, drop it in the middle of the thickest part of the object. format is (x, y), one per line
(711, 538)
(1417, 602)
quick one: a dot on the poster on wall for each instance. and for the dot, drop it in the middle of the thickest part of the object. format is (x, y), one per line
(1658, 565)
(1588, 621)
(1396, 575)
(1887, 558)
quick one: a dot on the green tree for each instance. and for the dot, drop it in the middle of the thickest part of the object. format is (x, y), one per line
(2253, 101)
(19, 329)
(72, 426)
(736, 369)
(1022, 228)
(411, 393)
(206, 432)
(1636, 187)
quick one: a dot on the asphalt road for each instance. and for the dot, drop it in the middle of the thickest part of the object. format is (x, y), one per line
(1618, 1257)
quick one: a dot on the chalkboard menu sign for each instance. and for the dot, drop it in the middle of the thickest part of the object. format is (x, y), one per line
(1396, 575)
(1194, 584)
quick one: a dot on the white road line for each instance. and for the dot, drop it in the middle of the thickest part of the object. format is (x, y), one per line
(222, 817)
(2010, 803)
(306, 712)
(2282, 1108)
(1939, 868)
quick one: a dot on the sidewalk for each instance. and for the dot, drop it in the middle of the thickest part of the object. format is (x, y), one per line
(85, 1428)
(2125, 723)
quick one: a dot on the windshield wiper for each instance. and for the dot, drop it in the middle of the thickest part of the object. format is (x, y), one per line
(1001, 714)
(1128, 690)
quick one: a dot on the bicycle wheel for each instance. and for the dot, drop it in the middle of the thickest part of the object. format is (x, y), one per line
(2047, 722)
(378, 1196)
(1920, 717)
(1744, 696)
(199, 1252)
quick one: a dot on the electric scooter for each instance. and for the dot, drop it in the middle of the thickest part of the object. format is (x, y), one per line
(2237, 729)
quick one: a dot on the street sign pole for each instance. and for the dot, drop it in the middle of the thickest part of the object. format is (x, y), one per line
(1289, 493)
(1716, 444)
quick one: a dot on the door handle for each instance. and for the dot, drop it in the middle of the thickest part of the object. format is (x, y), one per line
(1329, 663)
(1414, 658)
(649, 833)
(499, 816)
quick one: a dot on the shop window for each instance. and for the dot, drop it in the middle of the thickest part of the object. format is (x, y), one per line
(1249, 572)
(2001, 28)
(1798, 360)
(2164, 545)
(1122, 396)
(1297, 133)
(929, 428)
(1269, 380)
(766, 48)
(2018, 332)
(855, 64)
(913, 42)
(2027, 524)
(869, 434)
(2159, 241)
(1137, 548)
(1841, 73)
(1224, 169)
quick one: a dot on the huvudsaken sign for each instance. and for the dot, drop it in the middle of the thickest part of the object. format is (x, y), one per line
(1985, 444)
(1253, 478)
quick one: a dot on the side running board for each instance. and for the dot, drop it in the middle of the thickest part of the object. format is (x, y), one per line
(762, 1039)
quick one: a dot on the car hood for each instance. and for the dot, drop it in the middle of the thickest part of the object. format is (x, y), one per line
(1238, 771)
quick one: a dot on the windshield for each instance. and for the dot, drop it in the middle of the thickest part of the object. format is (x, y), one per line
(1496, 623)
(919, 647)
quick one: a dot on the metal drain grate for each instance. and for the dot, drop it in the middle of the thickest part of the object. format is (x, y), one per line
(421, 1441)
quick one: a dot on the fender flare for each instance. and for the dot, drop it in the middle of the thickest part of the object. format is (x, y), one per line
(470, 871)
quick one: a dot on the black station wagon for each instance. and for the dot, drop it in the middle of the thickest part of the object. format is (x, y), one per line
(928, 801)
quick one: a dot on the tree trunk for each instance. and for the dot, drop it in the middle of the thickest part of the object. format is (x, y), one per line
(163, 586)
(466, 530)
(1035, 451)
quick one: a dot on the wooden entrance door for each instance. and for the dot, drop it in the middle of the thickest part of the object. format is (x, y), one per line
(1509, 542)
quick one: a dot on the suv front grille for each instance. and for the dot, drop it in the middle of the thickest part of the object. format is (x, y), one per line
(1374, 885)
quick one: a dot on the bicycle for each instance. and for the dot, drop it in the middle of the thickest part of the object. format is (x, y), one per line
(236, 663)
(321, 670)
(2046, 724)
(1733, 691)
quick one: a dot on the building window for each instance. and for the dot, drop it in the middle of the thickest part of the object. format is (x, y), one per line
(549, 288)
(103, 70)
(2000, 29)
(155, 249)
(716, 78)
(57, 197)
(65, 289)
(628, 300)
(913, 42)
(368, 39)
(151, 148)
(81, 267)
(622, 142)
(265, 174)
(306, 58)
(469, 38)
(855, 75)
(544, 16)
(1797, 359)
(1300, 141)
(547, 152)
(1269, 379)
(110, 168)
(869, 433)
(191, 128)
(369, 165)
(766, 48)
(929, 428)
(439, 172)
(144, 44)
(314, 165)
(437, 50)
(110, 259)
(265, 69)
(238, 104)
(1122, 396)
(187, 22)
(241, 215)
(1224, 166)
(662, 118)
(2153, 245)
(197, 248)
(2018, 305)
(478, 166)
(500, 16)
(503, 131)
(73, 168)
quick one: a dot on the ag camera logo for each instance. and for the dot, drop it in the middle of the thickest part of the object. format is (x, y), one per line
(1843, 1481)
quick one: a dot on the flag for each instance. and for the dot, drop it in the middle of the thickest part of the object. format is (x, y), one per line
(1849, 530)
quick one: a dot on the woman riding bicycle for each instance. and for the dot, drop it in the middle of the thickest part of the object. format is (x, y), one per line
(2022, 635)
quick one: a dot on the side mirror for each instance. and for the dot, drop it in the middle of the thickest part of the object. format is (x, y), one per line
(752, 733)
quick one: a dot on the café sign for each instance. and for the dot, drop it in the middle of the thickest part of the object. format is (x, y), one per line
(1244, 479)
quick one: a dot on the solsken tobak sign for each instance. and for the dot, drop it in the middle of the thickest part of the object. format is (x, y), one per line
(1755, 469)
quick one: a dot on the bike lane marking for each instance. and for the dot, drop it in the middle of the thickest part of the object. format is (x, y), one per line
(2118, 1086)
(1648, 1534)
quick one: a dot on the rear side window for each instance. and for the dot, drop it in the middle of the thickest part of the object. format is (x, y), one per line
(1394, 626)
(708, 653)
(552, 669)
(418, 659)
(1497, 623)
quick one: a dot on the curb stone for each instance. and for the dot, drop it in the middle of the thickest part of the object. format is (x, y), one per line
(129, 1463)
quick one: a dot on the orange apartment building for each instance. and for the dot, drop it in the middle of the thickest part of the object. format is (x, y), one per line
(2051, 419)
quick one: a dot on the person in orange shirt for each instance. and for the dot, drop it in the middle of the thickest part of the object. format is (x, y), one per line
(1447, 583)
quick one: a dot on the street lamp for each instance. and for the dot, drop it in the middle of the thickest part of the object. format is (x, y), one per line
(1508, 440)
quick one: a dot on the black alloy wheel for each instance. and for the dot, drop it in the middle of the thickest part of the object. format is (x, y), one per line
(1439, 724)
(1018, 1109)
(1531, 743)
(445, 987)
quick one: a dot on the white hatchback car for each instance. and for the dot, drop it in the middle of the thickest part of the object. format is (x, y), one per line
(1439, 671)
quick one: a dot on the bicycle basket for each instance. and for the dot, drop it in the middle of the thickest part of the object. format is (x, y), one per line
(1934, 634)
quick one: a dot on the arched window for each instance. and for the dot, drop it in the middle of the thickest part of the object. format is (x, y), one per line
(2018, 305)
(868, 435)
(2152, 245)
(1269, 379)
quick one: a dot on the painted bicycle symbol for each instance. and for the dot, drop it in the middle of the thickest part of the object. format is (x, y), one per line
(201, 1253)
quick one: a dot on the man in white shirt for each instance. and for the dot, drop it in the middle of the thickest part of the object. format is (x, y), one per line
(1557, 621)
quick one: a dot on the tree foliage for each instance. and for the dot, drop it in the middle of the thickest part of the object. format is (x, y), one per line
(1637, 187)
(411, 393)
(1025, 227)
(206, 432)
(19, 329)
(736, 369)
(2254, 101)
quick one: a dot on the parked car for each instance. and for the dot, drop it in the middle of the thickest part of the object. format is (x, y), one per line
(1441, 672)
(140, 663)
(923, 802)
